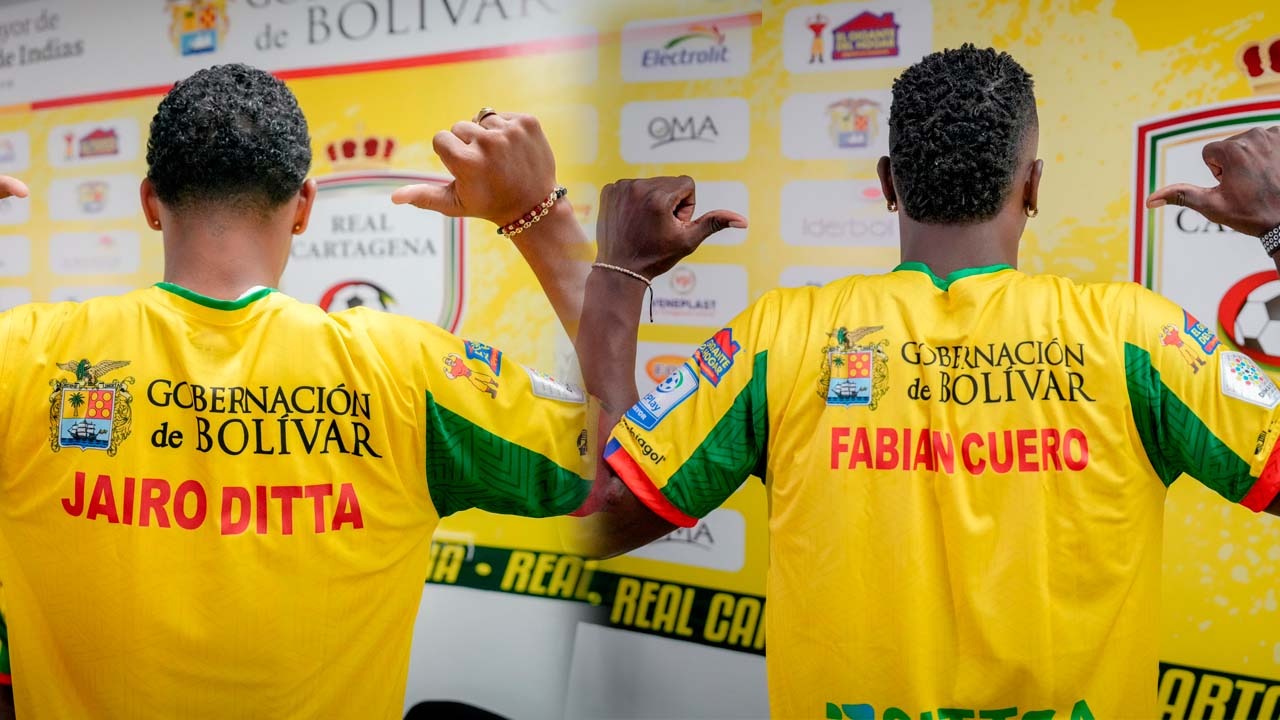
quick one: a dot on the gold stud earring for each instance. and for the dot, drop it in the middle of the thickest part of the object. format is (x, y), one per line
(1031, 211)
(893, 206)
(155, 224)
(297, 228)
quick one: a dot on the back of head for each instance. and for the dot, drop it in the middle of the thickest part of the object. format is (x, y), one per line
(956, 134)
(229, 136)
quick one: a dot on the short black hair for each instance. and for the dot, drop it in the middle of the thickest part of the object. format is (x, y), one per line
(229, 134)
(956, 129)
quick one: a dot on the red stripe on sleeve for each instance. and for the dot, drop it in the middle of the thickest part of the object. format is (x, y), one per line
(643, 487)
(6, 679)
(1267, 486)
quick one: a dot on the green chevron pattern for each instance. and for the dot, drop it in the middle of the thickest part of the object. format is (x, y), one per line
(470, 467)
(735, 449)
(1175, 439)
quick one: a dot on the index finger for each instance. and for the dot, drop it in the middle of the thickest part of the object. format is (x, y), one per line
(1214, 155)
(453, 150)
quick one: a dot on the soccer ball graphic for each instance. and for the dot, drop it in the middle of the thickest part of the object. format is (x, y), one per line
(673, 381)
(1257, 327)
(356, 293)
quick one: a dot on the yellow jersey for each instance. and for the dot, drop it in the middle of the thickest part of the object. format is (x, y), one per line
(214, 509)
(966, 478)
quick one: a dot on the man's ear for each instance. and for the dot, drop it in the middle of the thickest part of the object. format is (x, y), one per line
(1031, 192)
(150, 203)
(884, 169)
(306, 201)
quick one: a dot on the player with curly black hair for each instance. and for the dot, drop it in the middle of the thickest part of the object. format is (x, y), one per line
(217, 501)
(958, 126)
(966, 465)
(257, 161)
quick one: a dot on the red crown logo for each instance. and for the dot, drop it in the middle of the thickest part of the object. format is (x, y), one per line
(361, 154)
(1260, 62)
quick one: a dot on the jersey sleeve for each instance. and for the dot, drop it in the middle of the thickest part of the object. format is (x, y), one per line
(500, 436)
(5, 672)
(1200, 408)
(693, 440)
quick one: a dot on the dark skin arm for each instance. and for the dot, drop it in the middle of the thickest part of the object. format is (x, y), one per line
(6, 703)
(634, 215)
(1247, 196)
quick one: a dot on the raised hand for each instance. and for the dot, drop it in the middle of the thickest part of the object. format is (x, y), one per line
(12, 187)
(647, 226)
(501, 167)
(1247, 196)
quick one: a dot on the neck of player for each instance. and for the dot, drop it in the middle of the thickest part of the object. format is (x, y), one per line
(948, 248)
(223, 254)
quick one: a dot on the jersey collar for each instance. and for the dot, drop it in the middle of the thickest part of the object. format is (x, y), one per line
(250, 296)
(944, 283)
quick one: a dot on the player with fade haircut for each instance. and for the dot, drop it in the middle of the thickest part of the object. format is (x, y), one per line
(217, 501)
(966, 464)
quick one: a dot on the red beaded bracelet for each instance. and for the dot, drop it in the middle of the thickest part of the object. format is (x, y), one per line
(533, 216)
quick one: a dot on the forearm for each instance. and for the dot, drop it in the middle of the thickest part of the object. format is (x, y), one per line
(6, 703)
(607, 345)
(607, 352)
(554, 249)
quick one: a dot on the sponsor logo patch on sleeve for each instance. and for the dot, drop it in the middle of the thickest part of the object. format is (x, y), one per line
(1204, 337)
(1244, 380)
(656, 405)
(715, 356)
(545, 386)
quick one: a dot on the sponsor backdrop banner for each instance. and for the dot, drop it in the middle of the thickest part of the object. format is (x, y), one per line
(1128, 94)
(779, 109)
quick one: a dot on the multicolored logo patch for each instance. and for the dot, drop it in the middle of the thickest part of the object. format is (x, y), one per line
(1242, 379)
(544, 386)
(485, 354)
(715, 356)
(854, 373)
(89, 413)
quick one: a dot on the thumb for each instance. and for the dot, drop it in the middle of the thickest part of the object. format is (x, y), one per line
(1209, 202)
(714, 221)
(429, 196)
(12, 187)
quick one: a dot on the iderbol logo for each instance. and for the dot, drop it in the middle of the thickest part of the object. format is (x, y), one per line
(844, 213)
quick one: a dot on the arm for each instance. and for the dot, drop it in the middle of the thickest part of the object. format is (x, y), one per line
(645, 226)
(1247, 197)
(613, 303)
